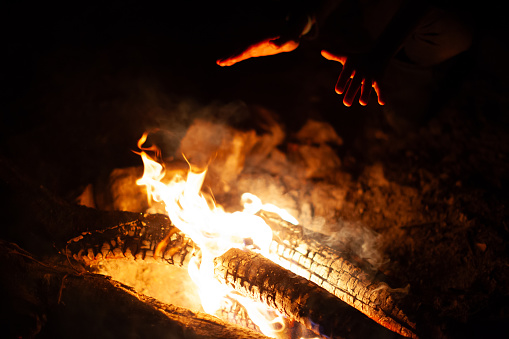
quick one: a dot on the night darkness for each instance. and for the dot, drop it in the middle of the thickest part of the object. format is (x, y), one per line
(82, 81)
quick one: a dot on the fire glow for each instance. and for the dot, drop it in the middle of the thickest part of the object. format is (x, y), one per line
(214, 231)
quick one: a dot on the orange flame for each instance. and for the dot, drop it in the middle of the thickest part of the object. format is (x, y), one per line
(213, 230)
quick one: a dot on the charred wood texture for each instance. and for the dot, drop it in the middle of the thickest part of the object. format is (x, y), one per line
(305, 256)
(257, 277)
(233, 311)
(51, 222)
(43, 298)
(151, 237)
(54, 301)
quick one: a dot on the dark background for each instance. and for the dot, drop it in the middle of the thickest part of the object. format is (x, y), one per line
(65, 62)
(81, 81)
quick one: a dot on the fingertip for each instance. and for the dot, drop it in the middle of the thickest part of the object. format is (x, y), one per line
(343, 83)
(325, 54)
(376, 86)
(225, 62)
(365, 92)
(333, 57)
(347, 101)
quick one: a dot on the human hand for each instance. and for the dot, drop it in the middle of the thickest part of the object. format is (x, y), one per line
(287, 41)
(359, 71)
(262, 48)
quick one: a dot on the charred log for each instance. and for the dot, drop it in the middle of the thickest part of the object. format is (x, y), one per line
(155, 238)
(257, 277)
(54, 301)
(305, 256)
(150, 237)
(52, 221)
(232, 311)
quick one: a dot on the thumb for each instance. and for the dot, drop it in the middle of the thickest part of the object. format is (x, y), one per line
(334, 56)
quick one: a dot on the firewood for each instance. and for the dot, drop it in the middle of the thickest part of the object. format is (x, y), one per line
(158, 239)
(305, 256)
(51, 221)
(54, 301)
(150, 237)
(255, 276)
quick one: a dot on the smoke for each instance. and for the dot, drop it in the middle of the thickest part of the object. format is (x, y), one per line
(354, 238)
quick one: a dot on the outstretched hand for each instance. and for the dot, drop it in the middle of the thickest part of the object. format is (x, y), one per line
(286, 41)
(359, 72)
(262, 48)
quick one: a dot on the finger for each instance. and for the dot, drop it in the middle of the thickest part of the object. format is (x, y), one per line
(365, 92)
(345, 75)
(262, 48)
(381, 99)
(355, 84)
(334, 57)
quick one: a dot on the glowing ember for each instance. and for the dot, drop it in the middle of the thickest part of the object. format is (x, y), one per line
(214, 231)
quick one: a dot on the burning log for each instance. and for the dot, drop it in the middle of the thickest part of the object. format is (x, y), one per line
(151, 237)
(305, 256)
(257, 277)
(54, 301)
(233, 311)
(52, 298)
(156, 238)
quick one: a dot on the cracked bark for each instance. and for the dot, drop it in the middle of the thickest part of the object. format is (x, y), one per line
(51, 222)
(255, 276)
(149, 237)
(305, 256)
(54, 301)
(45, 296)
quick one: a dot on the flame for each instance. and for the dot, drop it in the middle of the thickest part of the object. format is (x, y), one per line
(213, 230)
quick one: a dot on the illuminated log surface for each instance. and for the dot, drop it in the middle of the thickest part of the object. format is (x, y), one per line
(151, 237)
(54, 301)
(329, 269)
(232, 311)
(257, 277)
(47, 226)
(149, 240)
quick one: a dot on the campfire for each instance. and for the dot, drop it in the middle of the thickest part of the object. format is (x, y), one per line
(256, 265)
(215, 228)
(121, 264)
(399, 229)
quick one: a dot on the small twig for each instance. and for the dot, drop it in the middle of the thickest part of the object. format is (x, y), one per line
(62, 286)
